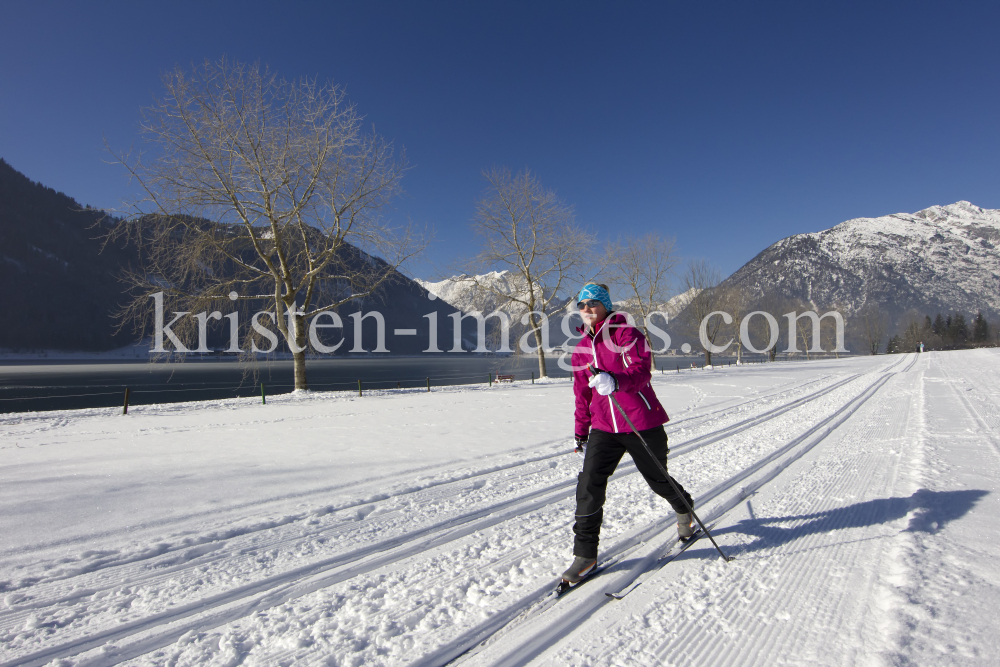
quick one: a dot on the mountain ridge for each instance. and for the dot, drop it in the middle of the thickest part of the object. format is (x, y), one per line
(63, 288)
(939, 259)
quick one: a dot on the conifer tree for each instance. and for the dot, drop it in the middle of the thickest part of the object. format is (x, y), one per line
(938, 331)
(959, 331)
(980, 330)
(939, 326)
(927, 332)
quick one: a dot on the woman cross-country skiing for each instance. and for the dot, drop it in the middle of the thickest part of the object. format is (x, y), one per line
(619, 354)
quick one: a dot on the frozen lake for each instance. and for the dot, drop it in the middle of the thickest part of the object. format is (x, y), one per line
(69, 385)
(61, 385)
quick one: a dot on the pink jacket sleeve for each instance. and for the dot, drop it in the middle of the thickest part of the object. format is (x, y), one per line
(583, 394)
(634, 358)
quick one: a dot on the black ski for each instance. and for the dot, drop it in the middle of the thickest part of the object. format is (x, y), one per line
(565, 587)
(679, 547)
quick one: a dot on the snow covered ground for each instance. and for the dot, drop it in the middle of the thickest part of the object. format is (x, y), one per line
(858, 496)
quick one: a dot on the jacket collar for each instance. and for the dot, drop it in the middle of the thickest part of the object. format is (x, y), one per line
(614, 319)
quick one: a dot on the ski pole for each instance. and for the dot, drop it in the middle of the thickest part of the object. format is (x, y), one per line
(663, 470)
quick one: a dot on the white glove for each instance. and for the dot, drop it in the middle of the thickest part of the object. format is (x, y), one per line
(604, 383)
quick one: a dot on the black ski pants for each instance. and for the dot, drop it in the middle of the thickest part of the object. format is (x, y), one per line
(604, 452)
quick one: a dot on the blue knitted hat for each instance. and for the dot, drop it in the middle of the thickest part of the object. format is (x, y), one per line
(592, 291)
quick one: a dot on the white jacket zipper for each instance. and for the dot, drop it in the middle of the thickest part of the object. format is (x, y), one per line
(611, 405)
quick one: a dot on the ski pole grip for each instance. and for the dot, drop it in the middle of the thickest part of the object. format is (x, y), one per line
(593, 371)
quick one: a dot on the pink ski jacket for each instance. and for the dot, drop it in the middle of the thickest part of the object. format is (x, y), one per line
(621, 350)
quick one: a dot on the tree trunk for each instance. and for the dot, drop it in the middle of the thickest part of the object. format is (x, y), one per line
(649, 344)
(541, 351)
(298, 333)
(299, 359)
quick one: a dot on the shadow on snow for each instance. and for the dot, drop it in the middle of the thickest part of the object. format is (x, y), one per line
(930, 512)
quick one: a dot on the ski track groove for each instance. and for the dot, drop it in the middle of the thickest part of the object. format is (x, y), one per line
(276, 589)
(431, 493)
(695, 647)
(727, 431)
(352, 505)
(535, 645)
(141, 560)
(328, 532)
(448, 526)
(756, 400)
(991, 431)
(476, 638)
(784, 644)
(921, 630)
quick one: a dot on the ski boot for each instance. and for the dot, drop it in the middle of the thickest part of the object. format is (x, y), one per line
(580, 568)
(684, 528)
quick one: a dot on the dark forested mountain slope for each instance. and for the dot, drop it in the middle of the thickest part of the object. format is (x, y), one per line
(61, 290)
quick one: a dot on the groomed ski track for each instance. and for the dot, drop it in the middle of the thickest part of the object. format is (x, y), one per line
(454, 569)
(719, 500)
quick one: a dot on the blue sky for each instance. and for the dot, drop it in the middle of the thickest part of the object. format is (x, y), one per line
(726, 125)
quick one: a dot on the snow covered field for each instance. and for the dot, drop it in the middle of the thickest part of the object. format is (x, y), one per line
(858, 496)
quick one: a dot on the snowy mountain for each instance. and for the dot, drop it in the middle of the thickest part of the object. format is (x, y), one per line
(940, 259)
(463, 293)
(467, 294)
(673, 306)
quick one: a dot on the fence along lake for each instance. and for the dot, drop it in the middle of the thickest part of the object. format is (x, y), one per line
(30, 385)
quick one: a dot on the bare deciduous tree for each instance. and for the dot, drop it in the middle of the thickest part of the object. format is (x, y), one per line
(708, 298)
(872, 325)
(803, 341)
(761, 330)
(642, 268)
(816, 328)
(830, 338)
(738, 301)
(527, 230)
(912, 335)
(264, 187)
